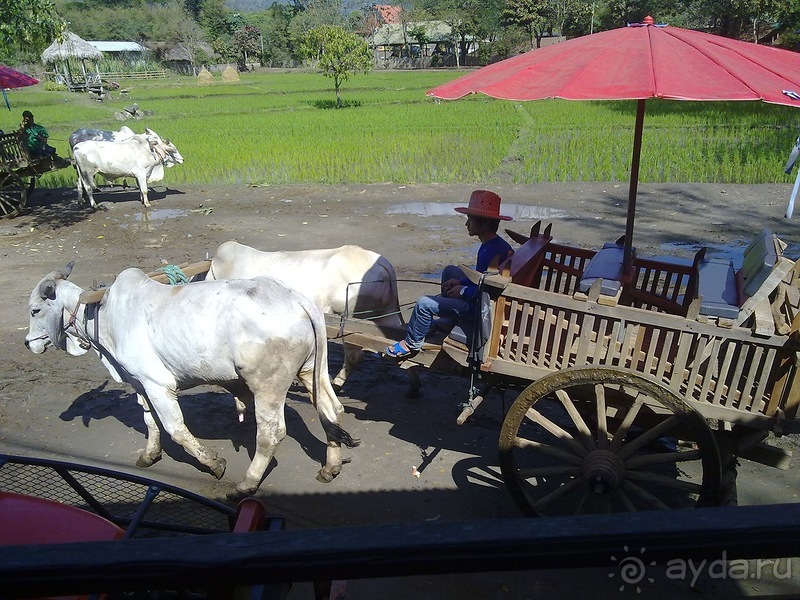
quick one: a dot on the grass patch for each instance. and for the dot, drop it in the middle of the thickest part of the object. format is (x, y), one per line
(281, 128)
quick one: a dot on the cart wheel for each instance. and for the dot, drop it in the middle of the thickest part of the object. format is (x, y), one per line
(13, 195)
(588, 440)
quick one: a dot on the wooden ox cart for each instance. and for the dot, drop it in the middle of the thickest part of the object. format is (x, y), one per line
(19, 172)
(641, 385)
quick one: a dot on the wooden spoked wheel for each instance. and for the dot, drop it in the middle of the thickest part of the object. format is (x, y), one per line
(593, 440)
(13, 195)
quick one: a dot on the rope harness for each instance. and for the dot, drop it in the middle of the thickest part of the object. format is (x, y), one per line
(174, 274)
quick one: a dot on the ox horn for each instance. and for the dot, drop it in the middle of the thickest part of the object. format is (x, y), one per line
(65, 272)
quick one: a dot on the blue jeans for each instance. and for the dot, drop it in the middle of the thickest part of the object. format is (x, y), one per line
(429, 307)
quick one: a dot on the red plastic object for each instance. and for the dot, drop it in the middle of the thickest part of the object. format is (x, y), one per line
(33, 520)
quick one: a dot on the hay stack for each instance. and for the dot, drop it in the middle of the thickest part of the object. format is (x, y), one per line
(204, 77)
(230, 75)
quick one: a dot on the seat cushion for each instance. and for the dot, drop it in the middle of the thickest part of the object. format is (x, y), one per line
(717, 285)
(605, 265)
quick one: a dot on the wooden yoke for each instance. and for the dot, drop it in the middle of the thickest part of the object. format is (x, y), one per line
(92, 296)
(525, 263)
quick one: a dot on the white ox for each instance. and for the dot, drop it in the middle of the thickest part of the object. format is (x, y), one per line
(85, 134)
(347, 281)
(252, 337)
(141, 156)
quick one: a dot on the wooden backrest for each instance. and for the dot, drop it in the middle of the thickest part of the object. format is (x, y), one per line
(12, 154)
(663, 286)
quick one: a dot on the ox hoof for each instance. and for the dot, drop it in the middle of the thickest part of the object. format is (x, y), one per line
(218, 469)
(324, 476)
(147, 461)
(236, 494)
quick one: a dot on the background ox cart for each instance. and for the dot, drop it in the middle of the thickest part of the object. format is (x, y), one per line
(18, 174)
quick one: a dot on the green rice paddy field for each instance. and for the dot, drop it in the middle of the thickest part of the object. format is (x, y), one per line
(283, 127)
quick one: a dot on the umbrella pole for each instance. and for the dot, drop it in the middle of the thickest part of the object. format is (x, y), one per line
(634, 182)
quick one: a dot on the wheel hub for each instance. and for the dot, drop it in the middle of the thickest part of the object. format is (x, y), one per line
(603, 470)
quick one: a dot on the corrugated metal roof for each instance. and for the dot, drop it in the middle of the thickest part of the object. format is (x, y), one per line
(117, 46)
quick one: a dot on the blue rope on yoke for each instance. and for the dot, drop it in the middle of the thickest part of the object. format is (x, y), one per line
(174, 274)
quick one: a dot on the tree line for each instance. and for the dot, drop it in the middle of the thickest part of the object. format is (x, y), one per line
(278, 35)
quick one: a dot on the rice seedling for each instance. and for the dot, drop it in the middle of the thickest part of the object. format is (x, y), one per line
(278, 128)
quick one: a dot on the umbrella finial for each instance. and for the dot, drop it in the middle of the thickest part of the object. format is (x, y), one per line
(648, 20)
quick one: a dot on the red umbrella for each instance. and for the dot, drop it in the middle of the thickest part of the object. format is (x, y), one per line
(10, 79)
(635, 63)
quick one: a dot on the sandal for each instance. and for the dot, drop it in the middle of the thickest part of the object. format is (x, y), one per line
(397, 351)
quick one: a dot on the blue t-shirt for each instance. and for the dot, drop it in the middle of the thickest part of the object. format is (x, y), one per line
(496, 247)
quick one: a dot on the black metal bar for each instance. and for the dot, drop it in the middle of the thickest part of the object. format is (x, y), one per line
(397, 550)
(136, 520)
(63, 471)
(634, 182)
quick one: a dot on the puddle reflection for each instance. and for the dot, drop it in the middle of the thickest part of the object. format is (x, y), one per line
(159, 213)
(517, 211)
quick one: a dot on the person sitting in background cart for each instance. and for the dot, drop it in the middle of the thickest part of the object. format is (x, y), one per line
(458, 294)
(34, 137)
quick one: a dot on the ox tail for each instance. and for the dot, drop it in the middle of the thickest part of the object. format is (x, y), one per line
(336, 433)
(324, 400)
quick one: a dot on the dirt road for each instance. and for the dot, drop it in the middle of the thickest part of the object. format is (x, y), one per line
(62, 407)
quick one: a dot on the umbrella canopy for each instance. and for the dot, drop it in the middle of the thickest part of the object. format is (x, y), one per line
(72, 46)
(11, 79)
(636, 63)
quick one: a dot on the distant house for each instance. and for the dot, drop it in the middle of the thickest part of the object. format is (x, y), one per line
(131, 53)
(393, 41)
(185, 58)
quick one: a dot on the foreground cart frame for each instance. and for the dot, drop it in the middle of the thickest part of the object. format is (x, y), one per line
(629, 402)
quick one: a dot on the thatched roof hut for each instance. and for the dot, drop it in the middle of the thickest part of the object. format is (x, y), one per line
(72, 47)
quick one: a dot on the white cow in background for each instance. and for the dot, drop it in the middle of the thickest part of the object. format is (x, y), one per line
(252, 337)
(85, 134)
(141, 156)
(347, 281)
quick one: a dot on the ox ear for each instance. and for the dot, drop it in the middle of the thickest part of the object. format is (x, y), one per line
(47, 289)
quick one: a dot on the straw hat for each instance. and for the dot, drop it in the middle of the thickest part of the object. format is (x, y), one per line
(483, 203)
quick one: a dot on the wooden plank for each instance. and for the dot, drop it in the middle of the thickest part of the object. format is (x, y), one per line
(570, 334)
(497, 326)
(585, 340)
(758, 404)
(752, 374)
(506, 351)
(535, 351)
(711, 368)
(663, 358)
(779, 271)
(524, 347)
(763, 323)
(723, 374)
